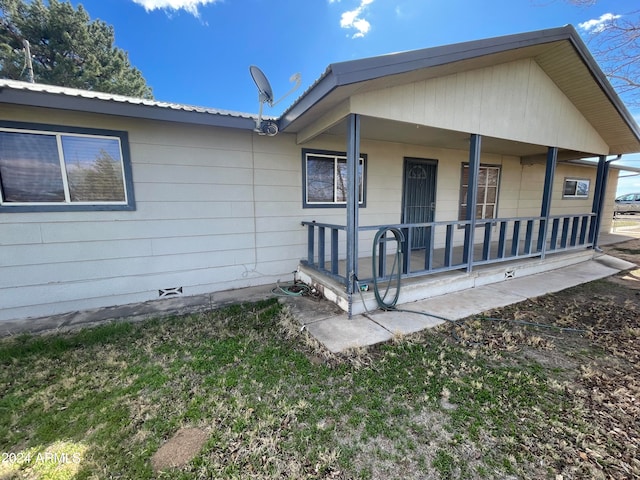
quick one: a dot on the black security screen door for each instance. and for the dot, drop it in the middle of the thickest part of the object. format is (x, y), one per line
(419, 196)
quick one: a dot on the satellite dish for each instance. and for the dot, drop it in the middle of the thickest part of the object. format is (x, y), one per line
(264, 87)
(265, 95)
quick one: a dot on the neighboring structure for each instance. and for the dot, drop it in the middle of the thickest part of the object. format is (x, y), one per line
(108, 200)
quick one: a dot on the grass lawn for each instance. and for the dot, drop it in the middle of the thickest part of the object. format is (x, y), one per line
(484, 399)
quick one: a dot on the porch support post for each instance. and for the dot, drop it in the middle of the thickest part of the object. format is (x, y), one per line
(599, 195)
(472, 199)
(353, 156)
(545, 210)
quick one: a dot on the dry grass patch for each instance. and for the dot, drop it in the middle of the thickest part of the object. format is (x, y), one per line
(498, 398)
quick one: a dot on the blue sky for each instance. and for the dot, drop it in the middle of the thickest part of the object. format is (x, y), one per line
(198, 51)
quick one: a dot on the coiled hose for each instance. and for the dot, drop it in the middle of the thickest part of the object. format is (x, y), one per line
(395, 273)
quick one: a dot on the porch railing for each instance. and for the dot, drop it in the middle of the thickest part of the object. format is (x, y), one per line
(435, 247)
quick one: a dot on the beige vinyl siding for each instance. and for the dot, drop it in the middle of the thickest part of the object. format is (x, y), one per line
(531, 184)
(511, 189)
(563, 206)
(280, 240)
(515, 101)
(610, 195)
(194, 226)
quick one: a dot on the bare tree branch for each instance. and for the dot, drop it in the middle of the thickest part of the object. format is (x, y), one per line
(615, 42)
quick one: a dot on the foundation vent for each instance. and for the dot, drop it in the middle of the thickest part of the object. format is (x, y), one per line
(169, 292)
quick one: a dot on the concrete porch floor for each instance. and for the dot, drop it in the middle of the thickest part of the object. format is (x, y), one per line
(333, 328)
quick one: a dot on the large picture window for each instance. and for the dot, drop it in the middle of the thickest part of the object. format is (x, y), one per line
(488, 186)
(46, 168)
(325, 179)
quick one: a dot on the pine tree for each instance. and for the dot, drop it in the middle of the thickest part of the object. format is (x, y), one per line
(67, 48)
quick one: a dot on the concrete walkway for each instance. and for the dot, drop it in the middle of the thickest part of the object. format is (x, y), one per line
(333, 328)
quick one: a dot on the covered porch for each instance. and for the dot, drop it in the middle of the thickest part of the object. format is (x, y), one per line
(476, 162)
(365, 266)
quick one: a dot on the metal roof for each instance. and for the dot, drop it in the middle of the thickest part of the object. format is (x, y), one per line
(51, 96)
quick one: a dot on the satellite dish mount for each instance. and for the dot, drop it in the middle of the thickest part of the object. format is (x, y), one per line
(265, 95)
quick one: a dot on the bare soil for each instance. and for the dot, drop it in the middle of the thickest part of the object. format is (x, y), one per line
(179, 450)
(591, 343)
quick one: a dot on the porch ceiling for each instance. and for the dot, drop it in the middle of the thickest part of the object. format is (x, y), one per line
(400, 132)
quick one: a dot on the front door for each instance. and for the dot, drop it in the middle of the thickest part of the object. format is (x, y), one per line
(419, 196)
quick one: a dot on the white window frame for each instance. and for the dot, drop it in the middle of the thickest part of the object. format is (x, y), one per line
(577, 181)
(484, 203)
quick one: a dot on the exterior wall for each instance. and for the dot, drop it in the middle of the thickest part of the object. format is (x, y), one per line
(532, 185)
(515, 101)
(207, 218)
(216, 209)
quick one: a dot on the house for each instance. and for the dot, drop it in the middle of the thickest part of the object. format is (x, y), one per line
(467, 156)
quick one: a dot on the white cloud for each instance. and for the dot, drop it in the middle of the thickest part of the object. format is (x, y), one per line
(598, 24)
(352, 19)
(190, 6)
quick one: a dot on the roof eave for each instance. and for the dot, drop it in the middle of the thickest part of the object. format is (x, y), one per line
(43, 99)
(320, 89)
(604, 84)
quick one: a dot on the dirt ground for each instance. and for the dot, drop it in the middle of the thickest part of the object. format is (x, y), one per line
(179, 450)
(594, 349)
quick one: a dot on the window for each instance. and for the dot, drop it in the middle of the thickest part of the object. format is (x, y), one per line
(325, 179)
(47, 168)
(487, 198)
(575, 188)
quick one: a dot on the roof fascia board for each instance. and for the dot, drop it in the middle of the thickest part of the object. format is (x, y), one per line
(625, 168)
(397, 63)
(593, 163)
(107, 107)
